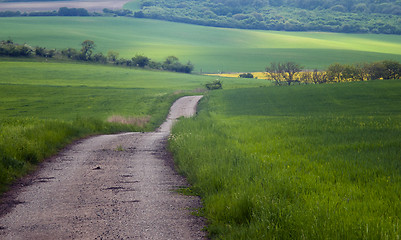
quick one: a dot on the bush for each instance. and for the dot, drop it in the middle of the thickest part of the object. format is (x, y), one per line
(246, 75)
(43, 52)
(10, 14)
(172, 64)
(9, 48)
(64, 11)
(217, 84)
(140, 61)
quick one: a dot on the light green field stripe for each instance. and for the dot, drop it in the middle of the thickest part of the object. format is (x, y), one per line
(359, 42)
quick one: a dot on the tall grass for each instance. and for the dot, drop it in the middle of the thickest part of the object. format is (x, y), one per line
(312, 168)
(24, 142)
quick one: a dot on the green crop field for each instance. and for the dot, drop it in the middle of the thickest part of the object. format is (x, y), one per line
(209, 49)
(67, 90)
(298, 162)
(45, 105)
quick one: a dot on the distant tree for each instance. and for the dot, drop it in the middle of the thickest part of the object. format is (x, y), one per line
(140, 61)
(216, 84)
(119, 12)
(43, 52)
(393, 69)
(139, 14)
(375, 70)
(112, 56)
(107, 11)
(70, 52)
(123, 62)
(290, 68)
(64, 11)
(87, 49)
(99, 57)
(155, 65)
(10, 14)
(274, 71)
(319, 77)
(172, 64)
(284, 71)
(9, 48)
(349, 72)
(40, 51)
(44, 13)
(187, 68)
(246, 75)
(170, 60)
(23, 50)
(334, 72)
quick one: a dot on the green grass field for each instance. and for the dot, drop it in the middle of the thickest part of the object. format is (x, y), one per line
(298, 162)
(210, 49)
(45, 105)
(67, 90)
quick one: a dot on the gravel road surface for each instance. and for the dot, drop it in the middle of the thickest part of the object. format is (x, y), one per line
(106, 187)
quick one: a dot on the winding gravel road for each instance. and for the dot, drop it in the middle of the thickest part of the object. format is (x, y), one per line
(107, 187)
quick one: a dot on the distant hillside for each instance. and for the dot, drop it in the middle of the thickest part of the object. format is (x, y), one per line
(348, 16)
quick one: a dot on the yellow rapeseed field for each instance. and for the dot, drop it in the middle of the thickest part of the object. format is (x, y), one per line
(258, 75)
(308, 77)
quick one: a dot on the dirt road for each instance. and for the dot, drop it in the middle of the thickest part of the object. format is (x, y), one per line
(107, 187)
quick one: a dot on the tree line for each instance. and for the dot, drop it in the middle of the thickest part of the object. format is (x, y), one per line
(289, 73)
(68, 12)
(87, 54)
(63, 11)
(348, 16)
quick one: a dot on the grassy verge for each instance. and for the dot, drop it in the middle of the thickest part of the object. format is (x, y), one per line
(24, 142)
(301, 162)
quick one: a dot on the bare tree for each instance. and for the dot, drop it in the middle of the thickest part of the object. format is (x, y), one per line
(283, 71)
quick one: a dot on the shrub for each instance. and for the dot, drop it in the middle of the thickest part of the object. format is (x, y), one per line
(64, 11)
(140, 61)
(246, 75)
(172, 64)
(217, 84)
